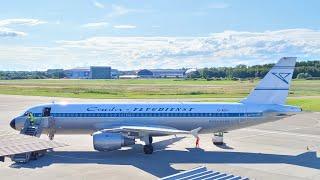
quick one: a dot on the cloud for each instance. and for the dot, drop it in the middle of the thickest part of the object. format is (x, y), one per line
(227, 48)
(9, 32)
(98, 4)
(95, 25)
(218, 49)
(32, 57)
(27, 22)
(124, 26)
(6, 32)
(118, 10)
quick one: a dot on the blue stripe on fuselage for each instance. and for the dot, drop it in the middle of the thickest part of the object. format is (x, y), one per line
(152, 114)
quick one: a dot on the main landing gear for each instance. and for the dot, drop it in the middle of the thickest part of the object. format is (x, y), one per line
(148, 148)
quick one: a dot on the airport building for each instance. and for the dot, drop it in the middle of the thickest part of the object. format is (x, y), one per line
(100, 72)
(55, 73)
(77, 73)
(161, 73)
(105, 72)
(115, 74)
(94, 72)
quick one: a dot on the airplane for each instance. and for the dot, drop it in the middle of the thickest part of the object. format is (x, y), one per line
(116, 125)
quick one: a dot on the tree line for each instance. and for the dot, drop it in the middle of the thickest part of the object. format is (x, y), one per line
(50, 74)
(304, 69)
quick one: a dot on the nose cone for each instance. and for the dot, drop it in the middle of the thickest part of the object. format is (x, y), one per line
(13, 124)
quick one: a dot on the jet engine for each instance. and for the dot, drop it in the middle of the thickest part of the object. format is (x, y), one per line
(110, 141)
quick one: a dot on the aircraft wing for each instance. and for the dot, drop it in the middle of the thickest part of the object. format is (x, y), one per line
(152, 130)
(12, 143)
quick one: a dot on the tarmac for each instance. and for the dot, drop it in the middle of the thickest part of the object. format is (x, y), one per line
(285, 149)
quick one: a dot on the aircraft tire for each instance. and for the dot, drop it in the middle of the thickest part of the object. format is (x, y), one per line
(218, 143)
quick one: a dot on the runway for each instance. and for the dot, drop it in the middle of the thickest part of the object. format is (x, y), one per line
(285, 149)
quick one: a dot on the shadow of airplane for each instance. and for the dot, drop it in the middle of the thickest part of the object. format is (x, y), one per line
(224, 146)
(159, 163)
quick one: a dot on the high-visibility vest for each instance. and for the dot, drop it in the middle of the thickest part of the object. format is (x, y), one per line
(31, 118)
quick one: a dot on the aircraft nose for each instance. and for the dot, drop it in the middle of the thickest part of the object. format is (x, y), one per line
(13, 124)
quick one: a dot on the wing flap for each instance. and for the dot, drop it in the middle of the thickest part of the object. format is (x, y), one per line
(159, 130)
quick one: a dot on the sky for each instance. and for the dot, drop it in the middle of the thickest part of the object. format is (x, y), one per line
(132, 34)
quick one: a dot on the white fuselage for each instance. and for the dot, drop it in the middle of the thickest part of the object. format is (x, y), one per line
(211, 117)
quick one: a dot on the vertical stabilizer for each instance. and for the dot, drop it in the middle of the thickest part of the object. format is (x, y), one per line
(274, 87)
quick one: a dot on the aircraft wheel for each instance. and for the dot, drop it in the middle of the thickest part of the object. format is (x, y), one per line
(218, 143)
(148, 149)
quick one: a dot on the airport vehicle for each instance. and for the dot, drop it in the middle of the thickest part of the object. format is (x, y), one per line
(115, 125)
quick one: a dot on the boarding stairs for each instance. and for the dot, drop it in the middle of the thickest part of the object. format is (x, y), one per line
(31, 129)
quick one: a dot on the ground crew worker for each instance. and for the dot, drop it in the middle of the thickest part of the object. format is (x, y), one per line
(31, 119)
(197, 142)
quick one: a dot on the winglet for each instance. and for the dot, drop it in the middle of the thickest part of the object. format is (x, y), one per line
(195, 132)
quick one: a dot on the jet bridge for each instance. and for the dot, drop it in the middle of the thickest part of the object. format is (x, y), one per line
(27, 145)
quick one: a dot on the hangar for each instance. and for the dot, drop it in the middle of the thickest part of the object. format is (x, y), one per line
(94, 72)
(100, 72)
(77, 73)
(161, 73)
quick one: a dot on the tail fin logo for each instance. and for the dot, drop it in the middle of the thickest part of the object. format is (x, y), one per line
(282, 76)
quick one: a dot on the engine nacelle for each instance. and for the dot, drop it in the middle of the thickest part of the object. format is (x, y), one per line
(110, 141)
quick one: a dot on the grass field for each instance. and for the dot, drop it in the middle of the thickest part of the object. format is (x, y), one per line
(303, 93)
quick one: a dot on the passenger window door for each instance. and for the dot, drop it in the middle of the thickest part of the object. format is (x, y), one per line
(46, 112)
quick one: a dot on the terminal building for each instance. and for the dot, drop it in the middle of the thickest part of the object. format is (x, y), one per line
(94, 72)
(161, 73)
